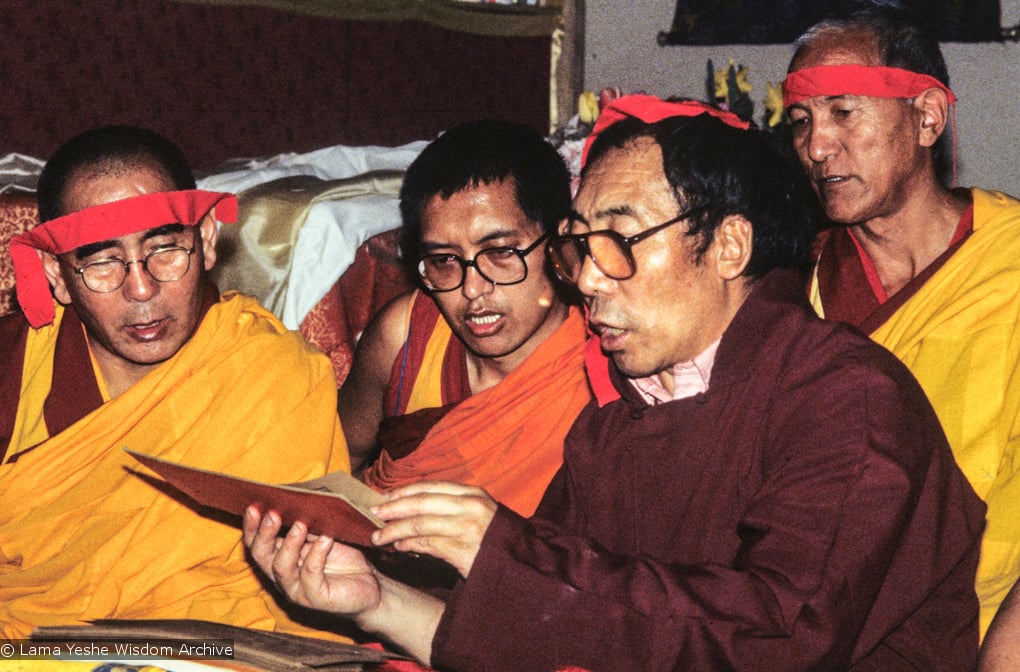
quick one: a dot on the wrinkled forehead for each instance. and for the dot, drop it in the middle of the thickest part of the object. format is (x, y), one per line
(112, 179)
(837, 46)
(627, 176)
(482, 211)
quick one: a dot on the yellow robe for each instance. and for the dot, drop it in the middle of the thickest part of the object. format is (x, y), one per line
(84, 534)
(960, 336)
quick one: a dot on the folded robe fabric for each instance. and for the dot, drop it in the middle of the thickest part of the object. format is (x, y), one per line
(507, 439)
(86, 534)
(959, 334)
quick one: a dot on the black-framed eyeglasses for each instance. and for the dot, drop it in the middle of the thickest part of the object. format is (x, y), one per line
(610, 251)
(498, 265)
(107, 275)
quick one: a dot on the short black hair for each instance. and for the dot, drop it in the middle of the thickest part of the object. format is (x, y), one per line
(903, 40)
(484, 152)
(722, 171)
(108, 148)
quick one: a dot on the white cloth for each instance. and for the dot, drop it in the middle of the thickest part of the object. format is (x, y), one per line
(334, 230)
(19, 172)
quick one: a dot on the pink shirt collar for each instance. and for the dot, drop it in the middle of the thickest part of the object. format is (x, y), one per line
(689, 378)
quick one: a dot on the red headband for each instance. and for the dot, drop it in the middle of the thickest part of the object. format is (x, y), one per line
(857, 80)
(99, 223)
(650, 109)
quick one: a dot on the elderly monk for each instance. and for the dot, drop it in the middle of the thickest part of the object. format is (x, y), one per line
(931, 273)
(139, 351)
(753, 489)
(477, 377)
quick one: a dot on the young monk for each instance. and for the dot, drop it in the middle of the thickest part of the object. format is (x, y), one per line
(477, 376)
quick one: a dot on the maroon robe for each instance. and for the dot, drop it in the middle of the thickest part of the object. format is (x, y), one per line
(73, 396)
(805, 513)
(845, 284)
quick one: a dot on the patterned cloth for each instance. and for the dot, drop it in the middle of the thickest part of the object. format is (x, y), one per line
(17, 214)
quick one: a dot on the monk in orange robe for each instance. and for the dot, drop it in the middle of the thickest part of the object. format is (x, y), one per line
(477, 377)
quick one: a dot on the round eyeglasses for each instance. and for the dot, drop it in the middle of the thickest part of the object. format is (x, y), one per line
(610, 251)
(164, 265)
(498, 265)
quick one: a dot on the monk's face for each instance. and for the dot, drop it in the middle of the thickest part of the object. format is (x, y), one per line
(673, 307)
(144, 322)
(863, 154)
(496, 322)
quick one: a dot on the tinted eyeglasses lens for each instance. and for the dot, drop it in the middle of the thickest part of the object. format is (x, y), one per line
(566, 255)
(606, 248)
(610, 254)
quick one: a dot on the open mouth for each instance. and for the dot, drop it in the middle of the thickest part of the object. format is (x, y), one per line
(146, 331)
(484, 319)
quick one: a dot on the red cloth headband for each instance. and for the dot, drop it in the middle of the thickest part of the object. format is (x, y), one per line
(650, 109)
(99, 223)
(857, 80)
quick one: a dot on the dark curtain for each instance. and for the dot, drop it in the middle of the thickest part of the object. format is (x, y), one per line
(782, 21)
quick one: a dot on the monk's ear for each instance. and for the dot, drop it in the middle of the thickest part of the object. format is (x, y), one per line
(732, 246)
(209, 233)
(55, 276)
(932, 106)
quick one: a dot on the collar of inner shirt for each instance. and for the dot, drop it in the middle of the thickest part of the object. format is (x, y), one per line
(689, 378)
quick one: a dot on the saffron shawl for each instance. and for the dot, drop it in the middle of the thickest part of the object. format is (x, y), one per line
(85, 534)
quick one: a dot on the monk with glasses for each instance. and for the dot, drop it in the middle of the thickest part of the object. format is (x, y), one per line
(476, 376)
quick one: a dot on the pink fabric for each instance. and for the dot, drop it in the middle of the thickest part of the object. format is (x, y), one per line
(689, 378)
(651, 109)
(99, 223)
(857, 80)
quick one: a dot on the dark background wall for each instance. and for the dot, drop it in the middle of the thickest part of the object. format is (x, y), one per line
(230, 81)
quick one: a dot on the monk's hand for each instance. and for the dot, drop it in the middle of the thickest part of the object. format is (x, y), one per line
(444, 520)
(311, 571)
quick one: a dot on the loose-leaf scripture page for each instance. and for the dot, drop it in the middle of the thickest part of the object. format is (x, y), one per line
(336, 505)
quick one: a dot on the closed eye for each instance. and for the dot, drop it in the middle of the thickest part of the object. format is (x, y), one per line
(106, 262)
(497, 253)
(438, 260)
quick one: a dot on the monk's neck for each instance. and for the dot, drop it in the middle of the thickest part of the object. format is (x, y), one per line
(904, 244)
(119, 375)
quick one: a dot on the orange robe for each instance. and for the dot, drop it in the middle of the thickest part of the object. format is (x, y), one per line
(85, 534)
(507, 439)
